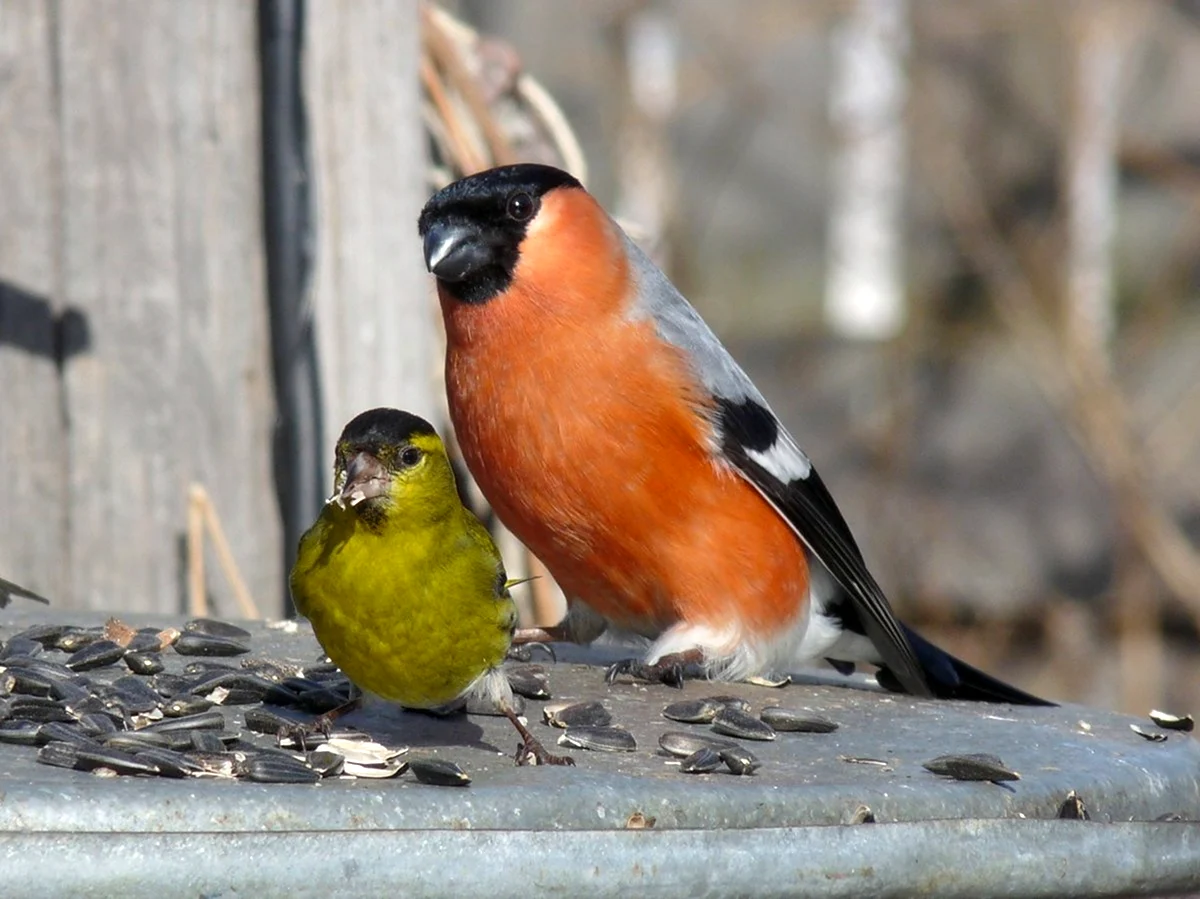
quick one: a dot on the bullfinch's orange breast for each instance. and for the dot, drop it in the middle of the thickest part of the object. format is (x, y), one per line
(588, 435)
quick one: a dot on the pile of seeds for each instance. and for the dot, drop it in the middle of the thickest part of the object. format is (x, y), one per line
(65, 690)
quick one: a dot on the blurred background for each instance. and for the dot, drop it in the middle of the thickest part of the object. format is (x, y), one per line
(956, 244)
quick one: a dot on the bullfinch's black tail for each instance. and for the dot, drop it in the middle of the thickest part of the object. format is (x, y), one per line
(952, 678)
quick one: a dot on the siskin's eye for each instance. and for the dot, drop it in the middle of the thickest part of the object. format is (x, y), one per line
(521, 207)
(410, 456)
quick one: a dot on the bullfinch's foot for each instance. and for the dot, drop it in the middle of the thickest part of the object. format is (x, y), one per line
(672, 669)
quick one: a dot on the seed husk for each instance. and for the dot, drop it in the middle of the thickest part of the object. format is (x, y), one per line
(194, 643)
(703, 761)
(681, 745)
(737, 723)
(137, 740)
(1173, 722)
(25, 682)
(740, 760)
(599, 739)
(326, 763)
(274, 670)
(861, 815)
(732, 702)
(972, 766)
(529, 681)
(144, 663)
(1152, 736)
(693, 711)
(183, 706)
(797, 722)
(439, 772)
(577, 714)
(119, 632)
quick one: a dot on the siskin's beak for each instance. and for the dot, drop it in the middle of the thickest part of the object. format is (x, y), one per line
(454, 252)
(366, 478)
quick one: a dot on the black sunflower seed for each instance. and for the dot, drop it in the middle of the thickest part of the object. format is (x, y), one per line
(702, 761)
(439, 772)
(97, 654)
(211, 627)
(21, 733)
(144, 663)
(20, 646)
(681, 745)
(61, 731)
(137, 740)
(529, 681)
(75, 638)
(740, 760)
(168, 684)
(577, 714)
(210, 720)
(207, 741)
(37, 708)
(198, 644)
(24, 682)
(144, 643)
(264, 721)
(238, 687)
(797, 722)
(97, 725)
(169, 762)
(734, 722)
(693, 711)
(1073, 809)
(270, 768)
(971, 766)
(182, 706)
(45, 634)
(599, 739)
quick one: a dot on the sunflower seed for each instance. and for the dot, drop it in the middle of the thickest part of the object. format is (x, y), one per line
(168, 684)
(681, 745)
(144, 643)
(134, 695)
(264, 721)
(243, 687)
(60, 731)
(212, 764)
(732, 702)
(197, 644)
(21, 646)
(169, 762)
(1172, 722)
(45, 634)
(75, 638)
(529, 681)
(273, 769)
(740, 760)
(797, 722)
(24, 682)
(144, 663)
(210, 720)
(736, 723)
(37, 708)
(693, 711)
(207, 741)
(274, 670)
(439, 772)
(320, 701)
(702, 761)
(211, 627)
(135, 741)
(599, 739)
(1073, 809)
(97, 654)
(183, 706)
(21, 733)
(67, 755)
(97, 725)
(577, 714)
(972, 766)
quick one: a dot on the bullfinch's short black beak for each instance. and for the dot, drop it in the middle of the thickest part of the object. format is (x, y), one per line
(454, 252)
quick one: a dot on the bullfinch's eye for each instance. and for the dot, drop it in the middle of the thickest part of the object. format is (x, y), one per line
(521, 206)
(410, 456)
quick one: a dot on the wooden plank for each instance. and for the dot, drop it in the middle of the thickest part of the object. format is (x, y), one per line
(377, 336)
(161, 252)
(32, 448)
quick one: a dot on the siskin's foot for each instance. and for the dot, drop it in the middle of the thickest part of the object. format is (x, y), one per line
(531, 751)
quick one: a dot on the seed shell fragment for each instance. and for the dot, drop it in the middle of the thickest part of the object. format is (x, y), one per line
(1152, 736)
(577, 714)
(1166, 720)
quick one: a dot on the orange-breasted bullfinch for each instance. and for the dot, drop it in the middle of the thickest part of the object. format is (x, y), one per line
(617, 438)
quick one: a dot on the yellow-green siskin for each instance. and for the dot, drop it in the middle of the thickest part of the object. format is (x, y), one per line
(403, 585)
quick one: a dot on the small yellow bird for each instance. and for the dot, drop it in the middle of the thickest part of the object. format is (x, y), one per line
(403, 585)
